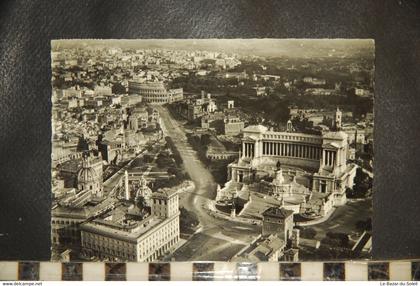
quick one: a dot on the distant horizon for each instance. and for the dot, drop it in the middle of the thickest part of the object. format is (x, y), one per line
(259, 47)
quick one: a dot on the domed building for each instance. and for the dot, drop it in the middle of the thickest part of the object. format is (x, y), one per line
(88, 179)
(144, 191)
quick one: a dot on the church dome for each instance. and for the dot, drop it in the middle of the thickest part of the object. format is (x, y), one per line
(86, 174)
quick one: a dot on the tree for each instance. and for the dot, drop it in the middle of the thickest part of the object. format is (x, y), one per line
(82, 145)
(336, 239)
(176, 155)
(118, 88)
(362, 225)
(188, 220)
(148, 158)
(164, 161)
(309, 233)
(362, 185)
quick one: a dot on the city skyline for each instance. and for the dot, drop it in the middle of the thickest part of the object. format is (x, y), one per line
(260, 47)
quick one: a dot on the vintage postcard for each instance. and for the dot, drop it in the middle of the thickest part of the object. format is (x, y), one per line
(212, 149)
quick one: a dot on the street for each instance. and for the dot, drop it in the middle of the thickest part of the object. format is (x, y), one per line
(218, 240)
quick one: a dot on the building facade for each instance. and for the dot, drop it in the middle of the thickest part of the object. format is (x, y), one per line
(233, 125)
(278, 221)
(129, 239)
(323, 156)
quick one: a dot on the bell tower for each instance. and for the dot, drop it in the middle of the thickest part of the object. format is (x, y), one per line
(289, 126)
(337, 119)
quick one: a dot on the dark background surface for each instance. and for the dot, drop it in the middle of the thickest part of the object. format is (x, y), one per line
(26, 28)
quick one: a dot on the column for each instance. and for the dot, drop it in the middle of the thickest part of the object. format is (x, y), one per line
(337, 157)
(264, 148)
(255, 149)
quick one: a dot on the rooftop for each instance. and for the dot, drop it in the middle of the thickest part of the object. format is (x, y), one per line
(262, 249)
(121, 228)
(256, 128)
(278, 212)
(165, 192)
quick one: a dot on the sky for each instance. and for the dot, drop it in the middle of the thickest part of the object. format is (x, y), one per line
(259, 47)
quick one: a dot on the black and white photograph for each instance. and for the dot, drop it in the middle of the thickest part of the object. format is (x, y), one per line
(240, 150)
